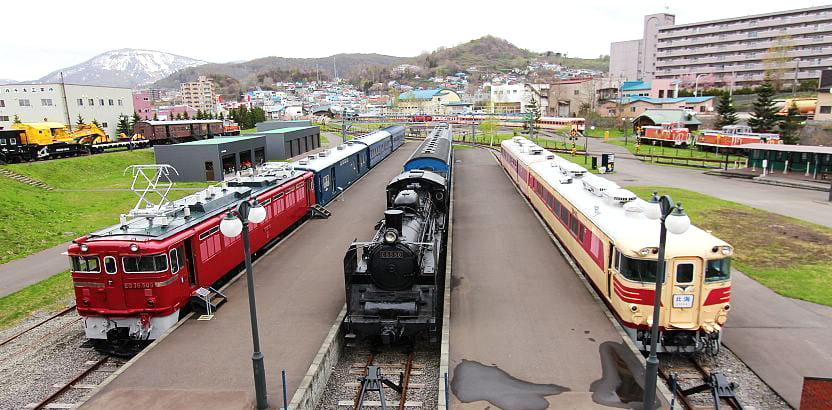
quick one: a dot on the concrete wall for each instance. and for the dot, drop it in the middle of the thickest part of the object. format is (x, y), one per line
(273, 125)
(649, 40)
(46, 101)
(625, 60)
(824, 100)
(189, 159)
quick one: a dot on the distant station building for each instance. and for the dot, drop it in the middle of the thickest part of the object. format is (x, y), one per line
(810, 161)
(667, 116)
(285, 143)
(56, 102)
(273, 125)
(212, 159)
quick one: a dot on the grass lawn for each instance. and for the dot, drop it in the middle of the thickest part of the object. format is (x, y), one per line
(37, 219)
(787, 255)
(647, 149)
(49, 294)
(248, 131)
(599, 132)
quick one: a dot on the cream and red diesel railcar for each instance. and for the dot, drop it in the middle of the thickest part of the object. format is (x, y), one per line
(605, 230)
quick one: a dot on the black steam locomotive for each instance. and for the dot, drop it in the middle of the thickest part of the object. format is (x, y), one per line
(395, 282)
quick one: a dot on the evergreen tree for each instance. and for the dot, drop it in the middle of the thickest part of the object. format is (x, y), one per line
(95, 122)
(133, 121)
(17, 119)
(123, 126)
(763, 118)
(199, 114)
(790, 126)
(532, 115)
(185, 115)
(178, 116)
(155, 117)
(222, 116)
(79, 120)
(726, 111)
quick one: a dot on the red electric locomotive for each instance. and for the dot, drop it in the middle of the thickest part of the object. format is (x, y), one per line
(134, 280)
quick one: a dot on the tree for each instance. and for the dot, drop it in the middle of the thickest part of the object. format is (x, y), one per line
(790, 126)
(123, 126)
(79, 121)
(532, 115)
(726, 111)
(95, 122)
(17, 119)
(488, 128)
(155, 117)
(763, 118)
(178, 116)
(776, 60)
(198, 114)
(185, 115)
(133, 121)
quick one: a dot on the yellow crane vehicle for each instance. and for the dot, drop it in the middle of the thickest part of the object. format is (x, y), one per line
(44, 140)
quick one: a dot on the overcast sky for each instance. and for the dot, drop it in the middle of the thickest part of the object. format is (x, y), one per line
(43, 36)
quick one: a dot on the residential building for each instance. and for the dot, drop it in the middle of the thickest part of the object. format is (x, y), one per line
(636, 59)
(432, 101)
(170, 112)
(64, 103)
(635, 106)
(788, 45)
(652, 89)
(513, 98)
(200, 94)
(142, 105)
(567, 97)
(823, 111)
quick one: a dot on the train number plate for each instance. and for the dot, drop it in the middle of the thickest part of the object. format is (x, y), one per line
(391, 254)
(682, 301)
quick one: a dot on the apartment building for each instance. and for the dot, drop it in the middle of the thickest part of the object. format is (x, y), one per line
(64, 103)
(636, 59)
(513, 98)
(793, 45)
(200, 94)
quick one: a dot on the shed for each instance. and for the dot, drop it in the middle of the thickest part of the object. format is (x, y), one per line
(667, 116)
(212, 159)
(810, 160)
(273, 125)
(284, 143)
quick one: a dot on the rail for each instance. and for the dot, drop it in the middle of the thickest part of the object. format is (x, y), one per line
(38, 324)
(48, 401)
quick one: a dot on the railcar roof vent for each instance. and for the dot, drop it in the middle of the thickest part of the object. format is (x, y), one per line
(341, 147)
(537, 151)
(632, 209)
(303, 162)
(619, 196)
(311, 157)
(550, 156)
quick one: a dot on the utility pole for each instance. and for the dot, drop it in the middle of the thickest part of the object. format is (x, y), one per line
(796, 71)
(66, 104)
(344, 125)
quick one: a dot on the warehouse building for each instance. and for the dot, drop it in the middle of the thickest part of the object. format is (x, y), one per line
(273, 125)
(285, 143)
(56, 102)
(212, 159)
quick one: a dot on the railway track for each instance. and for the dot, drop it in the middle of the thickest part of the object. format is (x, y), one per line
(687, 371)
(73, 391)
(37, 325)
(378, 380)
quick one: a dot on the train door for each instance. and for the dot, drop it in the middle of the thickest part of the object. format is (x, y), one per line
(685, 292)
(310, 195)
(113, 282)
(189, 263)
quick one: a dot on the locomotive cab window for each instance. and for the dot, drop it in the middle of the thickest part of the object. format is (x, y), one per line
(145, 264)
(85, 264)
(110, 265)
(637, 270)
(718, 270)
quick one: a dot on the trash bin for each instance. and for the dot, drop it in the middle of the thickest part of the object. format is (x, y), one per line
(608, 162)
(594, 162)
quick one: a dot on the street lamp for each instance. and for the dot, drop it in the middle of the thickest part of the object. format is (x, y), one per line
(696, 84)
(235, 222)
(672, 218)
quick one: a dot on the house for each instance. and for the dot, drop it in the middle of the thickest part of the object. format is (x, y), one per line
(635, 106)
(431, 101)
(823, 110)
(667, 116)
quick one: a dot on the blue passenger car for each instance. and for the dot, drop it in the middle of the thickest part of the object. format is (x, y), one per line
(335, 169)
(434, 154)
(379, 146)
(396, 135)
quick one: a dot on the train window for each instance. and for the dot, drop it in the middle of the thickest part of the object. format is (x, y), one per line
(2, 141)
(12, 141)
(564, 214)
(145, 264)
(85, 264)
(581, 230)
(110, 265)
(574, 225)
(174, 261)
(637, 270)
(718, 270)
(684, 273)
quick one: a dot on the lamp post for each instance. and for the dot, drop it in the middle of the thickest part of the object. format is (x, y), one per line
(696, 84)
(672, 218)
(235, 222)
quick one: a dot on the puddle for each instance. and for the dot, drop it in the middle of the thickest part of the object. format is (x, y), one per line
(475, 381)
(622, 378)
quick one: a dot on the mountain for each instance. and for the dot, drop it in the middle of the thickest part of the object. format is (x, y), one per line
(126, 67)
(7, 81)
(485, 52)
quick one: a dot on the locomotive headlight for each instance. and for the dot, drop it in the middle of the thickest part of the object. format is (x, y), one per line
(644, 251)
(84, 247)
(726, 250)
(390, 236)
(134, 247)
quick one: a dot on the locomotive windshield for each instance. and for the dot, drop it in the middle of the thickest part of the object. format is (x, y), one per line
(718, 270)
(85, 264)
(145, 264)
(637, 270)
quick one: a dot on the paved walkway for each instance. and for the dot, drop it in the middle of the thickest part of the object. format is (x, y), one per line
(781, 339)
(810, 206)
(20, 273)
(300, 290)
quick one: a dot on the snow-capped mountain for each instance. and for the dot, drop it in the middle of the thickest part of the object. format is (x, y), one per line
(126, 67)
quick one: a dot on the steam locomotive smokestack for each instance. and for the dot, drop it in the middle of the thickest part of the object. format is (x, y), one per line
(393, 219)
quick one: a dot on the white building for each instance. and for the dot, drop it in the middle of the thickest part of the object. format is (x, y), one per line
(513, 98)
(63, 103)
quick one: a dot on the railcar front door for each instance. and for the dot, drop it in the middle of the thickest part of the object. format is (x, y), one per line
(685, 293)
(113, 282)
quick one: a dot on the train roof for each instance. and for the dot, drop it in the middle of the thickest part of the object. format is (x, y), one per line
(615, 211)
(437, 145)
(196, 208)
(326, 158)
(182, 122)
(371, 138)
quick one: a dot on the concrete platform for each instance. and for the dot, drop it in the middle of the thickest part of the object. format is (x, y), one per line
(515, 302)
(300, 290)
(783, 340)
